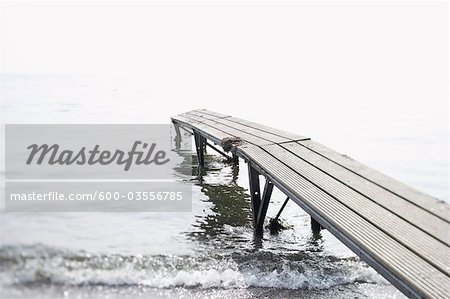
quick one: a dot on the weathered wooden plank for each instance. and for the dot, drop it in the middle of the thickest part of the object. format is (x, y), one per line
(248, 124)
(211, 133)
(183, 120)
(249, 138)
(405, 269)
(426, 202)
(212, 113)
(430, 249)
(224, 122)
(202, 116)
(417, 216)
(281, 133)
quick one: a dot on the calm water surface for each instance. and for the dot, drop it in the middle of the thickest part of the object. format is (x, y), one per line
(210, 252)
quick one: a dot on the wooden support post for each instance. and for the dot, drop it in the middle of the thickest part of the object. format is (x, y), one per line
(253, 179)
(178, 136)
(259, 204)
(264, 204)
(200, 144)
(315, 226)
(177, 131)
(235, 159)
(235, 169)
(203, 143)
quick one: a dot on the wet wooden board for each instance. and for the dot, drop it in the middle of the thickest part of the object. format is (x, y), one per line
(212, 113)
(418, 241)
(230, 131)
(249, 131)
(401, 232)
(261, 128)
(408, 193)
(209, 132)
(417, 216)
(405, 269)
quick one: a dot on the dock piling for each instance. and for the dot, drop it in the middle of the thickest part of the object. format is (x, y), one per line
(253, 180)
(264, 204)
(315, 226)
(260, 203)
(200, 144)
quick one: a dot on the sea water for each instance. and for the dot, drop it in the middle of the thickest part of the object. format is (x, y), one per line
(210, 252)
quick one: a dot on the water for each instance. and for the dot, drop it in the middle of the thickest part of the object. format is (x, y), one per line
(212, 251)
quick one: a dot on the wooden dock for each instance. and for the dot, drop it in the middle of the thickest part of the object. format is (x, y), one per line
(402, 233)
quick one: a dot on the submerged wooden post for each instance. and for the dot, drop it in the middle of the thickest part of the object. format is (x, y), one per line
(259, 203)
(177, 136)
(200, 144)
(235, 159)
(253, 180)
(177, 131)
(315, 226)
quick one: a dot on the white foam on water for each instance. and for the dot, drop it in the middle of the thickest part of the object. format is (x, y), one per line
(41, 267)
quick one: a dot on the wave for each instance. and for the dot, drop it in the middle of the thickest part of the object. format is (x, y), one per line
(43, 265)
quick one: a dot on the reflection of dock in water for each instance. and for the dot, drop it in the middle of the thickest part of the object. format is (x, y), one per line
(230, 204)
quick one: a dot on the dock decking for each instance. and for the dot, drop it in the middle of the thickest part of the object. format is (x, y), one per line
(402, 233)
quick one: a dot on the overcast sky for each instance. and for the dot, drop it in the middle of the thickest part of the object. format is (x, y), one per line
(345, 73)
(383, 57)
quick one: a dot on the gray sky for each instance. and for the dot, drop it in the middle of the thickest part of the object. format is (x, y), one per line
(385, 58)
(346, 73)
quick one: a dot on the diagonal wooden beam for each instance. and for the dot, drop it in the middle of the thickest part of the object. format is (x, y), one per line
(267, 193)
